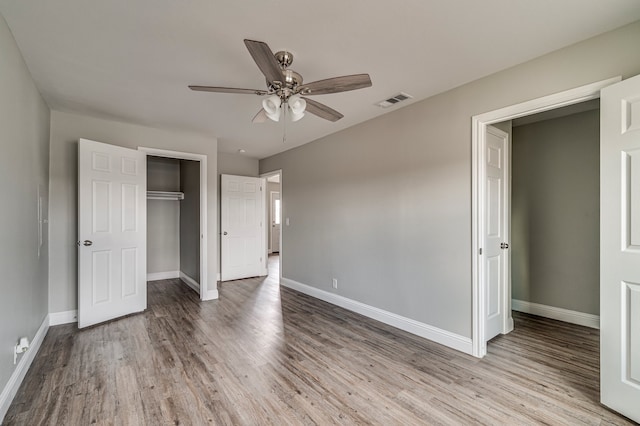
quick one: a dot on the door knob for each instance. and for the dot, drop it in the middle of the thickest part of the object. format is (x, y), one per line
(87, 242)
(224, 233)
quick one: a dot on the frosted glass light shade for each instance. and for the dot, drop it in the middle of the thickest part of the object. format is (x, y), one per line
(297, 105)
(271, 106)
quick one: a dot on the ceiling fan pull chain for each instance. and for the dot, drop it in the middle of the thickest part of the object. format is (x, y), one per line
(285, 106)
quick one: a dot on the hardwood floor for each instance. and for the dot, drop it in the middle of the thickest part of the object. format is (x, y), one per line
(268, 355)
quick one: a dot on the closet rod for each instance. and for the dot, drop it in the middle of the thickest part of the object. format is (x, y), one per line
(165, 195)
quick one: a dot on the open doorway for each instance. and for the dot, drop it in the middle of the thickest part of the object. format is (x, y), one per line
(274, 220)
(176, 216)
(491, 274)
(554, 214)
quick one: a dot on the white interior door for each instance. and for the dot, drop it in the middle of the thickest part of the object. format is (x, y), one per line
(112, 232)
(620, 247)
(243, 236)
(496, 235)
(275, 222)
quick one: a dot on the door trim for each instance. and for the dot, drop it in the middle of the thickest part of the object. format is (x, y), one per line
(479, 124)
(205, 294)
(281, 254)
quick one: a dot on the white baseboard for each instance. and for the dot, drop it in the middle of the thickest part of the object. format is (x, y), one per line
(435, 334)
(560, 314)
(65, 317)
(195, 285)
(11, 388)
(218, 276)
(167, 275)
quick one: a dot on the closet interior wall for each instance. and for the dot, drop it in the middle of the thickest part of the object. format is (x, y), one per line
(173, 226)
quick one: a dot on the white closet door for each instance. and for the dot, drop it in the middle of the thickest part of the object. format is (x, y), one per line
(112, 232)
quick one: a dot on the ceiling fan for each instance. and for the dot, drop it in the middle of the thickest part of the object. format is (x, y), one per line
(285, 88)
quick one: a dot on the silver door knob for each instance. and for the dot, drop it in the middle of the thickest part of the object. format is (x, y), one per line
(87, 242)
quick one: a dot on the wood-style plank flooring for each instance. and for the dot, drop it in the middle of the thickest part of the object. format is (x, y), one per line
(262, 354)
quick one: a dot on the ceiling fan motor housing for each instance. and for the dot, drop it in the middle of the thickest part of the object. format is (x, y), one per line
(291, 78)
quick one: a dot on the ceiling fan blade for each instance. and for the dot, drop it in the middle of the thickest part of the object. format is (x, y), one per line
(228, 90)
(266, 61)
(260, 117)
(322, 111)
(336, 84)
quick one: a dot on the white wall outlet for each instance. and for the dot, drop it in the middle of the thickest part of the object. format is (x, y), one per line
(286, 221)
(20, 348)
(334, 283)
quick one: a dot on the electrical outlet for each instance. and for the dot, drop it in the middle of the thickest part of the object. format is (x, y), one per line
(334, 283)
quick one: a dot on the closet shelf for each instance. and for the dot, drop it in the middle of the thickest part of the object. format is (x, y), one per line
(165, 195)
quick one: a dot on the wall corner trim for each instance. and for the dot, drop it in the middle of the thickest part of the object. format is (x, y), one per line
(443, 337)
(560, 314)
(64, 317)
(210, 295)
(11, 388)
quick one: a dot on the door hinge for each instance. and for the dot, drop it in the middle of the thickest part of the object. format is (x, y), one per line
(504, 246)
(480, 251)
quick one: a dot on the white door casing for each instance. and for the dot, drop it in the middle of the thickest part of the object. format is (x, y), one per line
(112, 229)
(276, 214)
(496, 238)
(620, 247)
(242, 233)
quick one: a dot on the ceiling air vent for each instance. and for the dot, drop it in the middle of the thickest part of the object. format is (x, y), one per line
(394, 100)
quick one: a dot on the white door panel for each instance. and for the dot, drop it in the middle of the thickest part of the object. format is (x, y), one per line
(242, 241)
(112, 232)
(620, 247)
(496, 256)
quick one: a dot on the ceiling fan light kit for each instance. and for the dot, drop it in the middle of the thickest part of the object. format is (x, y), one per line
(285, 87)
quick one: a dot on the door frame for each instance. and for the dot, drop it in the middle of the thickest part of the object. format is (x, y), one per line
(281, 253)
(479, 125)
(204, 239)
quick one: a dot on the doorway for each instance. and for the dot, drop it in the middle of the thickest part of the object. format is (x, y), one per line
(480, 157)
(189, 217)
(274, 220)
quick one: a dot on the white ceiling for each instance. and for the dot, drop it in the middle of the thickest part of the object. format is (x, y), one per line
(132, 60)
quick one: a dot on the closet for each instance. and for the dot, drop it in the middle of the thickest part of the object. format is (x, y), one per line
(173, 220)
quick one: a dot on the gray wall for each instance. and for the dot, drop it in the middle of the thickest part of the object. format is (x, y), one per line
(190, 219)
(385, 206)
(555, 208)
(24, 174)
(234, 164)
(66, 129)
(163, 216)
